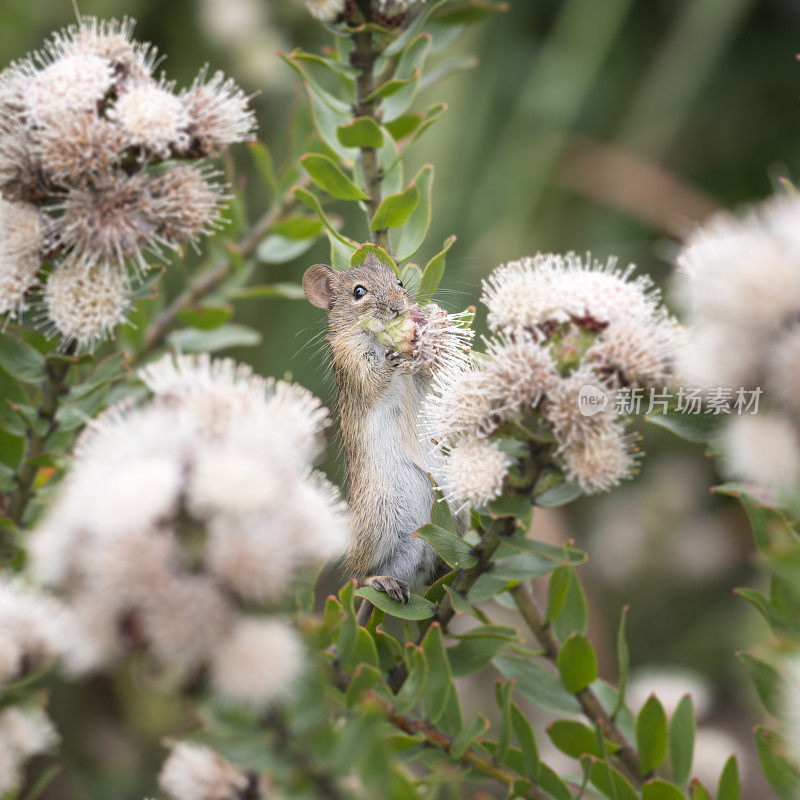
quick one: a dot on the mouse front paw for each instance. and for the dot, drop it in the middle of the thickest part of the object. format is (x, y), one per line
(396, 589)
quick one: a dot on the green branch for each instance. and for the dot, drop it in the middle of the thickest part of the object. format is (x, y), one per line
(364, 57)
(53, 387)
(591, 705)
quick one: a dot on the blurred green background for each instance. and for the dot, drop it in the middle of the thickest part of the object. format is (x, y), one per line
(606, 126)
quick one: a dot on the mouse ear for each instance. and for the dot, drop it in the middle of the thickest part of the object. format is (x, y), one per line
(318, 286)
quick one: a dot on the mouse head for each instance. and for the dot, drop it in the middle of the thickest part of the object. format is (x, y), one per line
(372, 288)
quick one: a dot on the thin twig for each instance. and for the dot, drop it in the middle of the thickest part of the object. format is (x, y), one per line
(53, 387)
(210, 280)
(591, 705)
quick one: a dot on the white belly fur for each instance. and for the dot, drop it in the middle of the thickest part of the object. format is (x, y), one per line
(400, 464)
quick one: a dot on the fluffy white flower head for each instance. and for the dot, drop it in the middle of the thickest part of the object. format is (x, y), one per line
(196, 772)
(73, 84)
(474, 472)
(258, 663)
(150, 115)
(85, 305)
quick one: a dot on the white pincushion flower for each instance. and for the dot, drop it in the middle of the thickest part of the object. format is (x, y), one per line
(180, 509)
(85, 305)
(600, 461)
(258, 663)
(745, 269)
(763, 448)
(218, 113)
(326, 10)
(196, 772)
(73, 84)
(476, 399)
(638, 351)
(22, 233)
(552, 288)
(152, 116)
(567, 408)
(27, 731)
(475, 470)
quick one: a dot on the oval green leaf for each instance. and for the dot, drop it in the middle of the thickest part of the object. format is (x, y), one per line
(651, 734)
(416, 608)
(395, 209)
(328, 175)
(577, 663)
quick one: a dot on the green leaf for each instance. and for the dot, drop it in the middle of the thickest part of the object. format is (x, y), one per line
(411, 691)
(537, 684)
(651, 734)
(366, 676)
(359, 257)
(310, 200)
(527, 743)
(440, 510)
(470, 12)
(661, 790)
(74, 414)
(439, 683)
(360, 132)
(433, 272)
(574, 614)
(472, 654)
(502, 695)
(416, 608)
(193, 340)
(395, 209)
(20, 360)
(559, 495)
(623, 663)
(454, 551)
(404, 125)
(573, 738)
(611, 782)
(729, 787)
(286, 291)
(298, 226)
(466, 737)
(782, 775)
(557, 592)
(577, 663)
(409, 68)
(522, 566)
(390, 87)
(278, 249)
(681, 740)
(770, 684)
(408, 239)
(698, 428)
(699, 792)
(206, 317)
(328, 175)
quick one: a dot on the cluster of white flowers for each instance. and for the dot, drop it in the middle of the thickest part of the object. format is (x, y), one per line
(563, 326)
(181, 511)
(196, 772)
(90, 141)
(739, 278)
(31, 627)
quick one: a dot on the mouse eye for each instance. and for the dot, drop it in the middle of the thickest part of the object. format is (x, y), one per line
(359, 292)
(400, 283)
